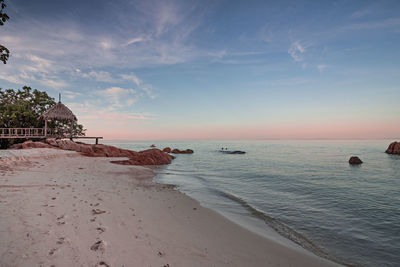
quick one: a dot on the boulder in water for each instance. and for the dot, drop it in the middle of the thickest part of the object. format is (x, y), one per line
(355, 161)
(167, 150)
(187, 151)
(394, 148)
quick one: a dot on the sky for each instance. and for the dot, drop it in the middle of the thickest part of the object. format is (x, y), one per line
(164, 70)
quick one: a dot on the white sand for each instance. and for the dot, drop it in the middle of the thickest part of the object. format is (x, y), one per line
(47, 201)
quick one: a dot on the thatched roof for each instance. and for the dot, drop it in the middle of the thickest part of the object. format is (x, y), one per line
(58, 112)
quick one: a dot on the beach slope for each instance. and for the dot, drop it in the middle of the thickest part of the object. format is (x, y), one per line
(59, 208)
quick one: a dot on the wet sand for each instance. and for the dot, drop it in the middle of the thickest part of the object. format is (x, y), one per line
(58, 208)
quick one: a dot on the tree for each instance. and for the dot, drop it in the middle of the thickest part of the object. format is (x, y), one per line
(4, 52)
(21, 109)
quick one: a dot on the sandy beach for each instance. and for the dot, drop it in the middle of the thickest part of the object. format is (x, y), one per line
(59, 208)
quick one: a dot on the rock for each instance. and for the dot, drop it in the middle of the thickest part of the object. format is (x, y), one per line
(153, 145)
(52, 142)
(167, 150)
(394, 148)
(233, 152)
(187, 151)
(355, 161)
(16, 146)
(147, 157)
(30, 144)
(177, 151)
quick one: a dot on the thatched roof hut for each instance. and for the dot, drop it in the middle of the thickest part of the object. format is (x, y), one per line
(58, 112)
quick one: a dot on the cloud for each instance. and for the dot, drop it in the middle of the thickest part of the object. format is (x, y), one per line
(296, 51)
(134, 40)
(131, 77)
(12, 78)
(29, 68)
(117, 97)
(70, 94)
(99, 76)
(100, 119)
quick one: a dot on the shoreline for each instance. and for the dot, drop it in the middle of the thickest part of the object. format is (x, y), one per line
(95, 213)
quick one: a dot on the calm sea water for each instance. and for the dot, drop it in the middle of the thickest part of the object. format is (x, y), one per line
(305, 190)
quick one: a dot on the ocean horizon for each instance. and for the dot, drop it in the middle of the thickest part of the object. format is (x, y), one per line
(303, 190)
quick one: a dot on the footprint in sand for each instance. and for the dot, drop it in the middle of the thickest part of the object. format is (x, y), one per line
(97, 211)
(59, 220)
(52, 251)
(98, 246)
(100, 230)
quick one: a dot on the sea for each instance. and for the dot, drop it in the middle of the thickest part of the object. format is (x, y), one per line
(304, 191)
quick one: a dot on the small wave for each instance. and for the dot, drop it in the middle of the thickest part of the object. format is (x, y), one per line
(280, 227)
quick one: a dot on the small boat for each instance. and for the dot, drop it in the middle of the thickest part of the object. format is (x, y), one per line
(232, 152)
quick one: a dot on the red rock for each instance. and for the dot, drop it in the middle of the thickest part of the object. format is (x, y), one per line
(31, 144)
(16, 146)
(153, 145)
(177, 151)
(52, 141)
(355, 161)
(147, 157)
(167, 150)
(187, 151)
(394, 148)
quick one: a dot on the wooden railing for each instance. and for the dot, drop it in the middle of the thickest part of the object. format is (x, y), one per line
(6, 133)
(24, 132)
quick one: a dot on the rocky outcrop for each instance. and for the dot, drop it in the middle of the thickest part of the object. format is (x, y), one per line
(394, 148)
(147, 157)
(355, 161)
(30, 144)
(167, 150)
(153, 145)
(177, 151)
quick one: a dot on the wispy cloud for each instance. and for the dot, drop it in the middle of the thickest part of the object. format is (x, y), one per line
(296, 51)
(99, 76)
(131, 77)
(117, 97)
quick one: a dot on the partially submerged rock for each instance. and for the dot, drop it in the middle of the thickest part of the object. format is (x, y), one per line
(394, 148)
(355, 161)
(167, 150)
(177, 151)
(147, 157)
(233, 152)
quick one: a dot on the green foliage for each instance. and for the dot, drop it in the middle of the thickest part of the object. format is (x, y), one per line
(4, 52)
(21, 109)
